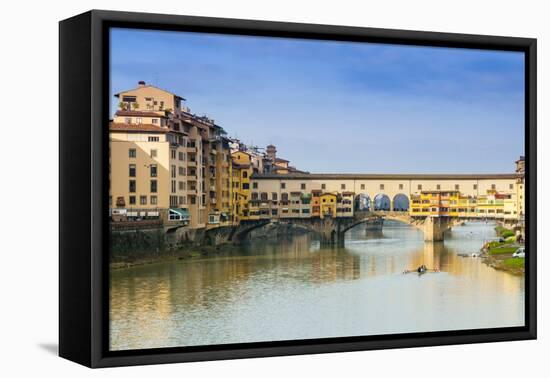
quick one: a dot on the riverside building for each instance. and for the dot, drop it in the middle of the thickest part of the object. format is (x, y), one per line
(497, 196)
(166, 163)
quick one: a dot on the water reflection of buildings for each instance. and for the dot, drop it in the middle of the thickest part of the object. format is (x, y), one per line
(143, 303)
(200, 283)
(130, 294)
(165, 301)
(445, 256)
(313, 264)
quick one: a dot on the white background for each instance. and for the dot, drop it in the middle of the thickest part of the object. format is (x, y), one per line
(29, 186)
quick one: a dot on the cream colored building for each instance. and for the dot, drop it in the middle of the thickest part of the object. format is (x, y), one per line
(145, 171)
(376, 186)
(165, 159)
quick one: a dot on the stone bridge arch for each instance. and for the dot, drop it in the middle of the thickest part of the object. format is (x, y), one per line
(433, 228)
(382, 215)
(228, 234)
(331, 230)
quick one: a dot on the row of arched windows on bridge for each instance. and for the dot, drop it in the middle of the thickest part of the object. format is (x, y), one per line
(382, 202)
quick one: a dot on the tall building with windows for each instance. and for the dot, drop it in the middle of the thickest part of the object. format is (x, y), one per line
(163, 159)
(222, 177)
(520, 187)
(241, 173)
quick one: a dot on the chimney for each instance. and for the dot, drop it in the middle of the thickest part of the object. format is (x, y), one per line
(141, 83)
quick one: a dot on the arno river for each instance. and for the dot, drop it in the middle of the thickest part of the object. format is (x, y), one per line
(297, 290)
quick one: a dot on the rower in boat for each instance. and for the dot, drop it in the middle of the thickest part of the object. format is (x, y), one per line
(422, 269)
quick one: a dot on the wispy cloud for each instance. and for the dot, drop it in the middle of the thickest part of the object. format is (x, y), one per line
(342, 107)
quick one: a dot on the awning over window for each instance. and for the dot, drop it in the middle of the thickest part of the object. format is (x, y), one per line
(182, 213)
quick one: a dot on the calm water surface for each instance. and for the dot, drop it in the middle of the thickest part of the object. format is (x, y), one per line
(297, 290)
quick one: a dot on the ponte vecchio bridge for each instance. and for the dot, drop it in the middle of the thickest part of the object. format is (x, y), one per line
(331, 230)
(388, 197)
(389, 187)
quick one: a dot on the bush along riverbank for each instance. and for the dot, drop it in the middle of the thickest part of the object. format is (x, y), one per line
(498, 253)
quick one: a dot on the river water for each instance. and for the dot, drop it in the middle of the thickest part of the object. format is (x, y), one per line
(294, 289)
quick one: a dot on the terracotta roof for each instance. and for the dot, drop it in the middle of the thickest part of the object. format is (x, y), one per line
(143, 128)
(178, 132)
(281, 160)
(145, 86)
(385, 176)
(138, 128)
(502, 196)
(348, 193)
(240, 166)
(197, 121)
(294, 170)
(438, 191)
(137, 113)
(242, 152)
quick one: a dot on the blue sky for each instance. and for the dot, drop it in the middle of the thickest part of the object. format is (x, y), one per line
(341, 106)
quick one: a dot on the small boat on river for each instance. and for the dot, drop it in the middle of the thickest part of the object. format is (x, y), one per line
(422, 269)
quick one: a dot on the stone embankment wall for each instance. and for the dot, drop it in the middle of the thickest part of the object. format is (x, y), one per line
(277, 231)
(129, 245)
(154, 243)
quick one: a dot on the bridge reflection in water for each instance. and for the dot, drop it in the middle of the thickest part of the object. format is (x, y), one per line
(297, 288)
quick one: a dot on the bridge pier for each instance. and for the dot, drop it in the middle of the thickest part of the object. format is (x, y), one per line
(330, 231)
(434, 228)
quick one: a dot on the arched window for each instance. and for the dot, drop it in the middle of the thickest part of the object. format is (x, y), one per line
(382, 202)
(401, 202)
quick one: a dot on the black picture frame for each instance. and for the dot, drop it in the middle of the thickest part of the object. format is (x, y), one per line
(83, 163)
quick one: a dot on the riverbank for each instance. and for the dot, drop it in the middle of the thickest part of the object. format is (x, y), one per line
(187, 253)
(498, 254)
(148, 246)
(506, 263)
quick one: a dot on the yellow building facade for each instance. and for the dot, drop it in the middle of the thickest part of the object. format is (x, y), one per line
(241, 173)
(327, 203)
